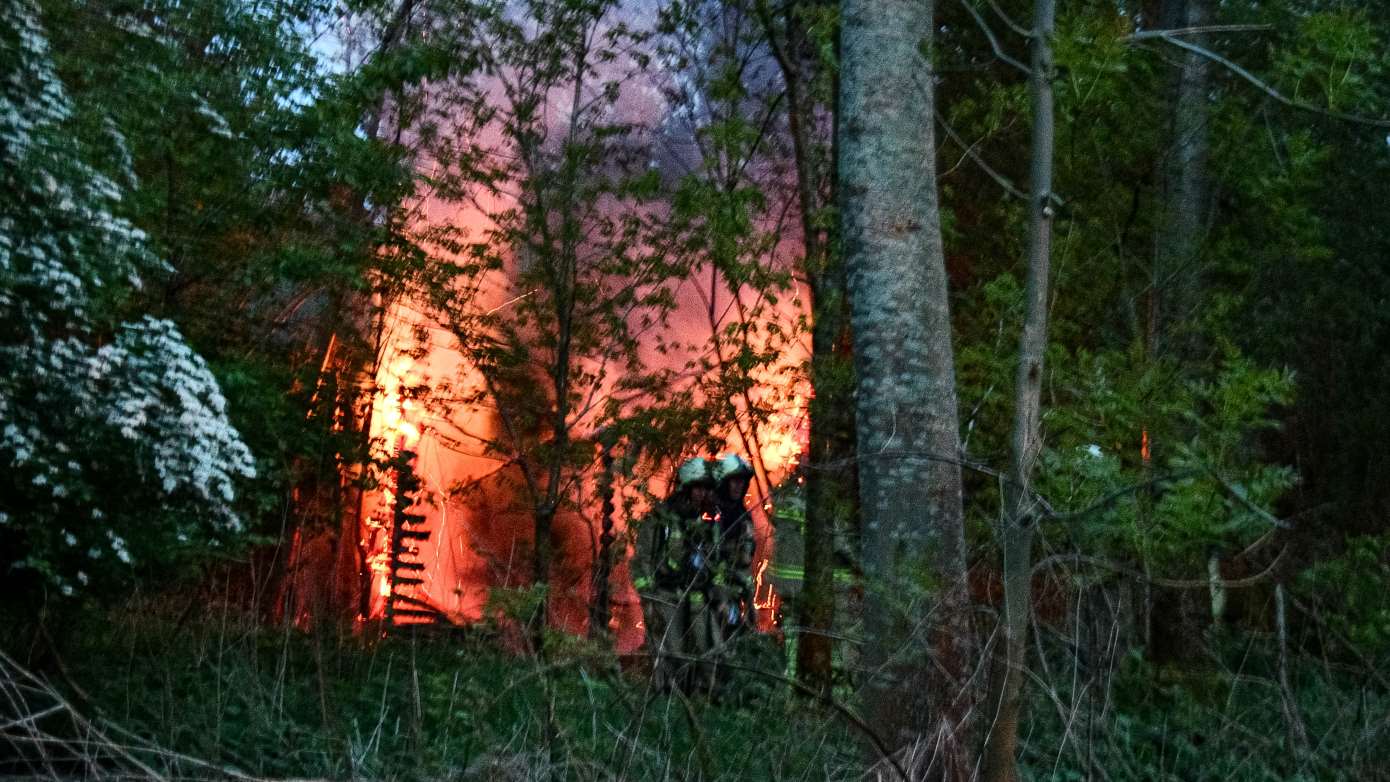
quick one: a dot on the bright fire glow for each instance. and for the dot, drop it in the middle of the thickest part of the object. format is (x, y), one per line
(458, 571)
(480, 538)
(772, 600)
(392, 433)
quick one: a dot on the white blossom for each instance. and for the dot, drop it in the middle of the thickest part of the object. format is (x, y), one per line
(70, 382)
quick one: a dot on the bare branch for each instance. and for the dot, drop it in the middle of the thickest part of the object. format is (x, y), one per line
(1202, 30)
(1250, 504)
(993, 41)
(1172, 583)
(848, 714)
(1000, 179)
(1165, 35)
(1015, 26)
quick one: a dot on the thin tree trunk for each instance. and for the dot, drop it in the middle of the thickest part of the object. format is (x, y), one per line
(1293, 720)
(829, 482)
(917, 628)
(1019, 507)
(355, 383)
(1183, 179)
(1175, 273)
(563, 280)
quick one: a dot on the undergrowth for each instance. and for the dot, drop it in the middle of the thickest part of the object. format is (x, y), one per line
(1223, 717)
(245, 701)
(430, 706)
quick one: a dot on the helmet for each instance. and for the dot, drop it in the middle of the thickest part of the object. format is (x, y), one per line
(732, 466)
(693, 472)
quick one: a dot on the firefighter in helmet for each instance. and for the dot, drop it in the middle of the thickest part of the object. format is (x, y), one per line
(671, 571)
(732, 589)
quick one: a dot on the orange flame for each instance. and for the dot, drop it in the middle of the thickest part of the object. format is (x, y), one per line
(395, 433)
(772, 602)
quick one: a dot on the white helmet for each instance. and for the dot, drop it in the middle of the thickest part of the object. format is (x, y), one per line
(692, 472)
(732, 466)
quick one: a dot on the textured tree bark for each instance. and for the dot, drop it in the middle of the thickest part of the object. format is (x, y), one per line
(1020, 508)
(917, 629)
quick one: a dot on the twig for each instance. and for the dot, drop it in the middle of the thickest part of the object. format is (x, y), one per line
(1249, 504)
(1371, 667)
(698, 733)
(30, 719)
(13, 668)
(1298, 732)
(1115, 495)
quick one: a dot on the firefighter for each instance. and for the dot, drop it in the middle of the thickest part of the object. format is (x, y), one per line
(671, 572)
(732, 590)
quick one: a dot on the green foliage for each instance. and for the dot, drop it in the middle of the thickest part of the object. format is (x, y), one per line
(1209, 724)
(269, 207)
(1206, 487)
(246, 164)
(1350, 592)
(1333, 58)
(515, 604)
(721, 225)
(560, 191)
(114, 434)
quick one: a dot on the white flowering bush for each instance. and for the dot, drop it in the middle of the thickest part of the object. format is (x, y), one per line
(114, 437)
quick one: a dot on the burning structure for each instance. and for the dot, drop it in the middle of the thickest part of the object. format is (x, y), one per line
(525, 413)
(443, 520)
(449, 520)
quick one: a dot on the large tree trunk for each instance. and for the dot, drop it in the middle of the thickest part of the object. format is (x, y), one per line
(1020, 508)
(917, 628)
